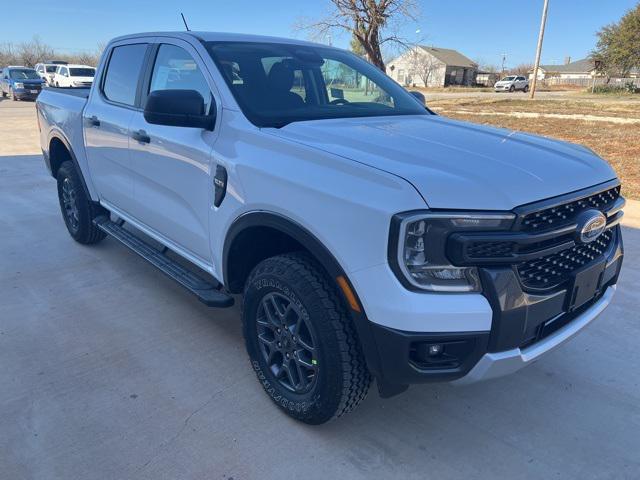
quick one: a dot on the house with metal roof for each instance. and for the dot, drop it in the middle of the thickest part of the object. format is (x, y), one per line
(571, 70)
(580, 69)
(424, 66)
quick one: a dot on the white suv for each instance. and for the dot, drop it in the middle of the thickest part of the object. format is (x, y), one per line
(511, 84)
(47, 71)
(74, 76)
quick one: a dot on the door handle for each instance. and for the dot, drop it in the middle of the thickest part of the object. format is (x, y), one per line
(141, 136)
(94, 121)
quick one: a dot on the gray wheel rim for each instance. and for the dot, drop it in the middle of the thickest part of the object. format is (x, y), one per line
(287, 343)
(69, 201)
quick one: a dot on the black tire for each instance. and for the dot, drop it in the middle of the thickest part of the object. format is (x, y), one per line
(512, 89)
(77, 210)
(4, 94)
(525, 89)
(13, 96)
(336, 378)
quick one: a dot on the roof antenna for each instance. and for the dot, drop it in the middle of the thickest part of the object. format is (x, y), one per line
(185, 22)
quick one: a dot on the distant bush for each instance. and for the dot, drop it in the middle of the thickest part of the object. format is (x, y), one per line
(618, 89)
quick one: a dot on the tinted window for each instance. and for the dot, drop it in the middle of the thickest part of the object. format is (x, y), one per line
(175, 69)
(123, 71)
(51, 68)
(82, 72)
(276, 84)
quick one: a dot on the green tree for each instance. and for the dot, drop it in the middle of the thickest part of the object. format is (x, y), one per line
(618, 48)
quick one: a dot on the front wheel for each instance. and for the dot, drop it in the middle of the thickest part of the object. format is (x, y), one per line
(301, 341)
(512, 89)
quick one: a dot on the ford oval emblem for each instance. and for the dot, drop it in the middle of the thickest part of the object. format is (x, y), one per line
(591, 224)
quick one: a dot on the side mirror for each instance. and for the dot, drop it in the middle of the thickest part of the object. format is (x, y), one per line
(420, 97)
(177, 108)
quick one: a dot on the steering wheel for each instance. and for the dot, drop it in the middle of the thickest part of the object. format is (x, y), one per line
(339, 101)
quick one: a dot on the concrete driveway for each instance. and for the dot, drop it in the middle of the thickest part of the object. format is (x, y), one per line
(108, 370)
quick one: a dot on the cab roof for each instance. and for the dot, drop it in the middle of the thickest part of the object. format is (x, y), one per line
(220, 37)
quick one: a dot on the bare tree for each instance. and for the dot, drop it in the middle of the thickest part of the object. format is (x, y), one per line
(422, 65)
(8, 54)
(522, 69)
(33, 52)
(372, 23)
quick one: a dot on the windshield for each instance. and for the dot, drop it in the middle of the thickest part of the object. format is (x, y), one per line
(508, 79)
(82, 72)
(51, 68)
(23, 74)
(276, 84)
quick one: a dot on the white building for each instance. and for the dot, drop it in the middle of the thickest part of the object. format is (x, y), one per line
(423, 66)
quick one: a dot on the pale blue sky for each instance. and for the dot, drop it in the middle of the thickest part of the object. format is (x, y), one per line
(480, 29)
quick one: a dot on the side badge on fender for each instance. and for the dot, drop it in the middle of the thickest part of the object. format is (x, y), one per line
(220, 185)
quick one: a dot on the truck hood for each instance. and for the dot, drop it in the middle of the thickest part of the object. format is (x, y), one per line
(457, 165)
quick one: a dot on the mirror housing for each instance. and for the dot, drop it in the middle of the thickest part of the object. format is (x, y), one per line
(177, 108)
(419, 96)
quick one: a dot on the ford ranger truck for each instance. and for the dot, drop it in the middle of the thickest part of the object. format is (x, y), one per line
(367, 237)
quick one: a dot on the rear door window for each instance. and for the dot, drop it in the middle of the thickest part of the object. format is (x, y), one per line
(123, 72)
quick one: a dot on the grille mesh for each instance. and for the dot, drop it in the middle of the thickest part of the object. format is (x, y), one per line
(490, 249)
(552, 270)
(563, 214)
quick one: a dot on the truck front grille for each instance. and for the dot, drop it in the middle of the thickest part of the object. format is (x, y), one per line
(564, 214)
(552, 270)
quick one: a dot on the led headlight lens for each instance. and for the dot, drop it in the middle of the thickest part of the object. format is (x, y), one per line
(422, 244)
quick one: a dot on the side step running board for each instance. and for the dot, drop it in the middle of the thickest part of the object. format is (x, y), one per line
(206, 292)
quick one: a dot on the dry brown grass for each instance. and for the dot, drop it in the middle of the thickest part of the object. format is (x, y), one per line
(618, 144)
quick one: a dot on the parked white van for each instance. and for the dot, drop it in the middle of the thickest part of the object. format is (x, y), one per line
(74, 76)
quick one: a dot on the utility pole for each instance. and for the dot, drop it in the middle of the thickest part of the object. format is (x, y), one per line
(543, 22)
(504, 59)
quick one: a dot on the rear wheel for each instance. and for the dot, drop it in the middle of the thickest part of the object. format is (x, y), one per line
(301, 341)
(525, 89)
(78, 211)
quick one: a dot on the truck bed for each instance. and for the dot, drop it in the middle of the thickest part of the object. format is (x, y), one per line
(60, 110)
(76, 92)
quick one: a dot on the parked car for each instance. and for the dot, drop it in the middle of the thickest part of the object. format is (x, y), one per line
(511, 84)
(368, 236)
(46, 71)
(20, 83)
(74, 76)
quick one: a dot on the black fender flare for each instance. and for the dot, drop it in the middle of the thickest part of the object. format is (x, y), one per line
(58, 135)
(284, 225)
(323, 256)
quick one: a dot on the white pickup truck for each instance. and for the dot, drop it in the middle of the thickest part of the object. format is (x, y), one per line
(368, 237)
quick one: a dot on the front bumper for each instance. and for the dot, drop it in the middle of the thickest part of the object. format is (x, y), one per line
(498, 364)
(482, 336)
(502, 88)
(27, 93)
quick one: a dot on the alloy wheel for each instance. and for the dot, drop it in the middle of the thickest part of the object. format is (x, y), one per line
(69, 200)
(287, 343)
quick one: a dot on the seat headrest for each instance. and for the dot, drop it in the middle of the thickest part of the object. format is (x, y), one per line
(281, 77)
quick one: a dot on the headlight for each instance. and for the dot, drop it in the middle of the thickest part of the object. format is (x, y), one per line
(420, 241)
(18, 85)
